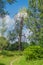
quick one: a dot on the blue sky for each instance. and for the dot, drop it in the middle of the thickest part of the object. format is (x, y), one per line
(14, 8)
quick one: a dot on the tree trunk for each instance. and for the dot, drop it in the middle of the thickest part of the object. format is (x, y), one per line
(20, 33)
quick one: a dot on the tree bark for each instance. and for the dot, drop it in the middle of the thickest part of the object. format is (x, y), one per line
(20, 33)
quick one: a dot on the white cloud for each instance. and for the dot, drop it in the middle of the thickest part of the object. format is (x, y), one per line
(9, 21)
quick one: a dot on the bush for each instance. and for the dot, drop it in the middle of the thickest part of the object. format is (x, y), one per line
(15, 46)
(33, 52)
(7, 53)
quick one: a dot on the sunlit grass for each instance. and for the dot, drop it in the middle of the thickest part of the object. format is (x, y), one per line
(7, 56)
(22, 61)
(18, 60)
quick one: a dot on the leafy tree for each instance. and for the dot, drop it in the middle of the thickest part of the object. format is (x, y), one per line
(3, 43)
(35, 22)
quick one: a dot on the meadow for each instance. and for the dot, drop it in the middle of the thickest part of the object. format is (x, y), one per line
(16, 58)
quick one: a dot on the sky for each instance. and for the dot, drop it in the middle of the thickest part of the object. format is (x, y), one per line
(14, 8)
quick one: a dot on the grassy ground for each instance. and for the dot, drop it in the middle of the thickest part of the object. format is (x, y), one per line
(7, 56)
(17, 59)
(5, 60)
(22, 61)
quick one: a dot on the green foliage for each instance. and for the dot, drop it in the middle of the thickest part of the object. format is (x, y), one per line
(15, 46)
(7, 53)
(3, 43)
(33, 52)
(24, 45)
(35, 23)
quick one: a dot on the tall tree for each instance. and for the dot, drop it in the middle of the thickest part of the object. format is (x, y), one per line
(20, 32)
(20, 23)
(36, 20)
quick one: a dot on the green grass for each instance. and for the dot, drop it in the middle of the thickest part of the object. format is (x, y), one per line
(22, 61)
(5, 60)
(7, 56)
(18, 60)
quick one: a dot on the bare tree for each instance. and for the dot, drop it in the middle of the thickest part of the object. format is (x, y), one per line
(20, 33)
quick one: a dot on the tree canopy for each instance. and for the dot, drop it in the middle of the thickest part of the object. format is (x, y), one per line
(35, 22)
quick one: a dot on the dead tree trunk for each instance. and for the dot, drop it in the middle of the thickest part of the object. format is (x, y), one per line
(20, 33)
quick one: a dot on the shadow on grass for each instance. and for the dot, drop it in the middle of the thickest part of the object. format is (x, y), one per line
(2, 64)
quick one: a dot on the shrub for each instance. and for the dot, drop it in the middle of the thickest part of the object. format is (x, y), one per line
(7, 53)
(33, 52)
(15, 46)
